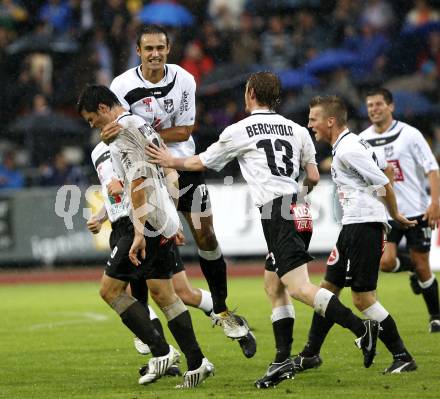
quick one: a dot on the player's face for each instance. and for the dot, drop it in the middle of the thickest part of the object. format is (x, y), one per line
(319, 123)
(379, 111)
(153, 51)
(97, 119)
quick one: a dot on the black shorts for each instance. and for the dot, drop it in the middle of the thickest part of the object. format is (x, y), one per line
(417, 237)
(195, 196)
(160, 255)
(354, 261)
(287, 236)
(178, 265)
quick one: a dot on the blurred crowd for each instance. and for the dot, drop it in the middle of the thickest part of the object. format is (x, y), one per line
(50, 49)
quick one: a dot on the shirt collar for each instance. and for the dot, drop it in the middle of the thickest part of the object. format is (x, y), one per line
(340, 137)
(262, 111)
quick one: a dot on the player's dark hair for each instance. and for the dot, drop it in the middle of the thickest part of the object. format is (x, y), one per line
(267, 88)
(151, 30)
(333, 106)
(93, 95)
(381, 91)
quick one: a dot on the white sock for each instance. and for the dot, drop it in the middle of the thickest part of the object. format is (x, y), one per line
(321, 300)
(282, 312)
(211, 255)
(397, 267)
(206, 301)
(376, 312)
(427, 283)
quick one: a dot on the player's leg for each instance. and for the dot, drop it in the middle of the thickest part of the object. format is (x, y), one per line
(429, 287)
(160, 262)
(133, 314)
(195, 297)
(283, 318)
(367, 303)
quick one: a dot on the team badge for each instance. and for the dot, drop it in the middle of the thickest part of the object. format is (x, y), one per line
(333, 257)
(169, 105)
(389, 151)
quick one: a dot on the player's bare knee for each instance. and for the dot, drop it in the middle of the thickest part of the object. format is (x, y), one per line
(108, 293)
(331, 287)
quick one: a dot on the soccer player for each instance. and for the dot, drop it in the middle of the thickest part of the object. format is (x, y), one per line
(354, 261)
(414, 165)
(116, 209)
(151, 249)
(164, 96)
(270, 150)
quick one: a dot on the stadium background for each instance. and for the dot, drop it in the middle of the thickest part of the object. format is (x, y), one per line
(50, 49)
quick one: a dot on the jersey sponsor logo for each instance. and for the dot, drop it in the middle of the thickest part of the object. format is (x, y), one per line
(302, 218)
(169, 105)
(333, 258)
(398, 172)
(115, 199)
(184, 103)
(147, 101)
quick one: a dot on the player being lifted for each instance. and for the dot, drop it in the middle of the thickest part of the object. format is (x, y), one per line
(270, 150)
(164, 96)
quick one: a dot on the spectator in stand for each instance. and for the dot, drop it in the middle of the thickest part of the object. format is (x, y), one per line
(57, 15)
(196, 62)
(378, 14)
(61, 172)
(10, 176)
(215, 43)
(421, 13)
(342, 21)
(246, 48)
(225, 13)
(276, 46)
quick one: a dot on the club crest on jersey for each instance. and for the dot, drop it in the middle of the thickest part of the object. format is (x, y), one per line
(169, 105)
(147, 101)
(389, 151)
(333, 257)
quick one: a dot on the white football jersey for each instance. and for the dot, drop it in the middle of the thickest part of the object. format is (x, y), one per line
(116, 206)
(359, 178)
(405, 148)
(170, 101)
(270, 150)
(131, 163)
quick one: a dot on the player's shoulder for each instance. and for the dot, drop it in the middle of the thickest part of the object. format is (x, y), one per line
(182, 74)
(367, 133)
(128, 120)
(125, 79)
(407, 130)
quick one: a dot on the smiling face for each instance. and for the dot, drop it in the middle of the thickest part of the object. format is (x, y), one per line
(320, 124)
(153, 50)
(379, 111)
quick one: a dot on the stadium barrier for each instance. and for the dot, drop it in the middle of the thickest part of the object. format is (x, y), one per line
(48, 226)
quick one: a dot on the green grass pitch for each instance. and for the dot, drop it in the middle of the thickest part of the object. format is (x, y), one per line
(62, 341)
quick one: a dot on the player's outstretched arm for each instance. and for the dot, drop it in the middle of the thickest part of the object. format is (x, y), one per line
(391, 204)
(312, 177)
(161, 156)
(432, 214)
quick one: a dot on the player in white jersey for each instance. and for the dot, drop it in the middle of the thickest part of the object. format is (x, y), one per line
(164, 96)
(354, 262)
(270, 150)
(152, 248)
(414, 165)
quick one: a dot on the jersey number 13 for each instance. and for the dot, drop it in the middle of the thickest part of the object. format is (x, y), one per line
(278, 145)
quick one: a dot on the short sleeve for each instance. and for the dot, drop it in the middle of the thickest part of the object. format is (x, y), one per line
(186, 112)
(422, 152)
(365, 167)
(308, 150)
(218, 154)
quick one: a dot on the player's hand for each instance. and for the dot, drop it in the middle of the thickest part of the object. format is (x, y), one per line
(137, 247)
(110, 131)
(180, 238)
(432, 215)
(404, 221)
(115, 187)
(94, 225)
(159, 155)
